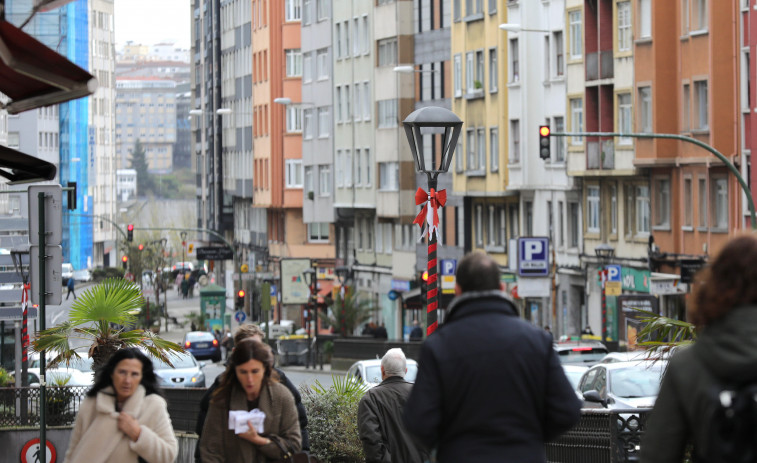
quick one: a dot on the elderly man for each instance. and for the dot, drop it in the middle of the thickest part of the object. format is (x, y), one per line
(380, 415)
(490, 387)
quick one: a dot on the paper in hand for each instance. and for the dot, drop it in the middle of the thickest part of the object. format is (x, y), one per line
(238, 420)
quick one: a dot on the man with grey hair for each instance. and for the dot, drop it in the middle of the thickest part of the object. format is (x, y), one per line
(380, 415)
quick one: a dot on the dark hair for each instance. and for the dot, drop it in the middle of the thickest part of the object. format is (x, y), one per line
(246, 350)
(103, 377)
(728, 282)
(477, 272)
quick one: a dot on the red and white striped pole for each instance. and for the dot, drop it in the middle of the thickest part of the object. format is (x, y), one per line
(24, 327)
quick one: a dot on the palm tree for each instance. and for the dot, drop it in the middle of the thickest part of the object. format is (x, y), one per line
(100, 316)
(661, 334)
(349, 311)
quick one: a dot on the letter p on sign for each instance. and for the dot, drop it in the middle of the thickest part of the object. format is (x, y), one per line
(533, 249)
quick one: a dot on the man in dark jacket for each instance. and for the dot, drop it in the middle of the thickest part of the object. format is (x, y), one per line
(490, 387)
(379, 416)
(252, 331)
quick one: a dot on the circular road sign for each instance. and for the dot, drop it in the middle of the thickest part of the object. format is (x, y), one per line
(240, 316)
(30, 452)
(244, 268)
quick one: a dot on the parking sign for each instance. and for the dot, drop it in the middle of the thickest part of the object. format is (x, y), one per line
(533, 256)
(613, 273)
(449, 266)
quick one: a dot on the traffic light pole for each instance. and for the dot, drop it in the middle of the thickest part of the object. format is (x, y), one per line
(42, 294)
(670, 136)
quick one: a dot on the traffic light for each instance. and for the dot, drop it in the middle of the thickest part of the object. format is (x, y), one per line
(424, 285)
(130, 233)
(141, 246)
(544, 133)
(240, 299)
(124, 261)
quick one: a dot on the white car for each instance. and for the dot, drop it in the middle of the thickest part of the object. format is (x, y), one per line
(60, 377)
(574, 374)
(284, 327)
(66, 272)
(80, 368)
(368, 372)
(622, 385)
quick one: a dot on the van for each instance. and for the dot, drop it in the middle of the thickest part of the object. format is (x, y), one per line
(67, 271)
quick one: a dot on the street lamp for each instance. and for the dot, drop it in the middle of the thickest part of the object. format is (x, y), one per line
(605, 253)
(420, 122)
(311, 279)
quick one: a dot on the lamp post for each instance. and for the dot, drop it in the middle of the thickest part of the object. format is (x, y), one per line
(311, 278)
(605, 253)
(431, 120)
(183, 247)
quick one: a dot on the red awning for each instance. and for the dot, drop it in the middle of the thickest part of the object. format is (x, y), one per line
(33, 75)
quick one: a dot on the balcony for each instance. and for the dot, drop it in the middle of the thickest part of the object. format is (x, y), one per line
(600, 154)
(600, 65)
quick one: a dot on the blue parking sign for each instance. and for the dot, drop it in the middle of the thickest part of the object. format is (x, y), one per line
(449, 266)
(613, 272)
(533, 256)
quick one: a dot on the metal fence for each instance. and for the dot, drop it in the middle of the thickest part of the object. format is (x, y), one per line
(601, 436)
(21, 406)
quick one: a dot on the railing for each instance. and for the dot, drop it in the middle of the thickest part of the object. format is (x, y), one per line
(601, 436)
(21, 406)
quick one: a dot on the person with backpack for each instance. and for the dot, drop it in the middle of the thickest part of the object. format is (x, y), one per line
(706, 395)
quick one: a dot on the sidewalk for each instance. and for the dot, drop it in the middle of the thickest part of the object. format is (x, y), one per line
(179, 308)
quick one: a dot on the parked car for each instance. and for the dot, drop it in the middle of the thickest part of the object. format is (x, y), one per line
(80, 368)
(574, 374)
(66, 272)
(580, 352)
(59, 377)
(368, 372)
(186, 371)
(83, 275)
(622, 385)
(202, 344)
(283, 328)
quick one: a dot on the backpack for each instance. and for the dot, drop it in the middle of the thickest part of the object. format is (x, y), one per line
(733, 432)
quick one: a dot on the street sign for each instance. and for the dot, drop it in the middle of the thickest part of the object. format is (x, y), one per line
(449, 266)
(613, 273)
(448, 284)
(240, 316)
(613, 288)
(53, 214)
(53, 276)
(533, 256)
(689, 268)
(392, 295)
(30, 451)
(214, 253)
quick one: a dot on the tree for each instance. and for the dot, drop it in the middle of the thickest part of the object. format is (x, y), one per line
(661, 334)
(139, 163)
(348, 312)
(101, 316)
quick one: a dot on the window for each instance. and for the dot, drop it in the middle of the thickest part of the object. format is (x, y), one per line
(702, 193)
(307, 68)
(324, 122)
(347, 103)
(356, 46)
(479, 226)
(380, 237)
(560, 224)
(458, 77)
(684, 17)
(469, 72)
(495, 226)
(307, 11)
(309, 179)
(686, 107)
(514, 61)
(514, 223)
(559, 142)
(629, 210)
(324, 180)
(367, 101)
(688, 198)
(573, 230)
(514, 141)
(624, 26)
(367, 163)
(459, 154)
(293, 10)
(576, 35)
(293, 63)
(642, 209)
(746, 79)
(559, 53)
(346, 42)
(387, 52)
(699, 15)
(470, 144)
(307, 124)
(592, 209)
(479, 70)
(719, 201)
(318, 231)
(576, 119)
(645, 19)
(387, 113)
(700, 93)
(322, 9)
(662, 203)
(492, 70)
(456, 14)
(339, 169)
(294, 173)
(613, 209)
(481, 149)
(645, 109)
(358, 113)
(322, 64)
(389, 176)
(338, 40)
(338, 104)
(294, 119)
(358, 168)
(347, 168)
(494, 149)
(365, 45)
(624, 117)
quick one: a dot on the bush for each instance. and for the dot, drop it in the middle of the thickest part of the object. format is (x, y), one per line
(332, 421)
(6, 379)
(100, 274)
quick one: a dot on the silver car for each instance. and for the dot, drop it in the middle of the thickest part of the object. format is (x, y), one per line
(622, 385)
(186, 371)
(368, 372)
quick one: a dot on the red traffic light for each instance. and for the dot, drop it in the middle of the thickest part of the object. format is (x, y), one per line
(241, 293)
(130, 227)
(544, 131)
(141, 246)
(124, 259)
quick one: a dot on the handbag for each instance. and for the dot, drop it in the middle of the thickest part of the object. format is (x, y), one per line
(294, 457)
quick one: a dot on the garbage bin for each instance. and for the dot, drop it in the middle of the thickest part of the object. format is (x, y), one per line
(292, 350)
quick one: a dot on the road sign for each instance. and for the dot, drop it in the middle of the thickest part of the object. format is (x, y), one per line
(30, 452)
(449, 266)
(214, 253)
(613, 288)
(613, 273)
(53, 277)
(240, 316)
(53, 213)
(448, 284)
(533, 256)
(17, 313)
(393, 295)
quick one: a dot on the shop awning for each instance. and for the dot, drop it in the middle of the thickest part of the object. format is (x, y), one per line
(32, 75)
(18, 167)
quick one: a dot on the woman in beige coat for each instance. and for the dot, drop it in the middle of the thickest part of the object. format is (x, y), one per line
(249, 383)
(124, 419)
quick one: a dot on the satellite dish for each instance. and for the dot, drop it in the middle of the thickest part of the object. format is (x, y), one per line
(203, 280)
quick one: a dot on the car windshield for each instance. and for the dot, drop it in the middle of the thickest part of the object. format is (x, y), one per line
(581, 354)
(182, 361)
(200, 337)
(636, 382)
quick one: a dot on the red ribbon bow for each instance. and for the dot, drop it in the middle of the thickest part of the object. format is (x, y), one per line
(429, 215)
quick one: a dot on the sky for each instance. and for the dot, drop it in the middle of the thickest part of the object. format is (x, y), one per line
(152, 21)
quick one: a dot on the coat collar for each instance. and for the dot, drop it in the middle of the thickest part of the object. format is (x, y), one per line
(106, 401)
(480, 301)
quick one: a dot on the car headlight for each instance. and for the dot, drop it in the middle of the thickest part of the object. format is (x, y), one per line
(197, 378)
